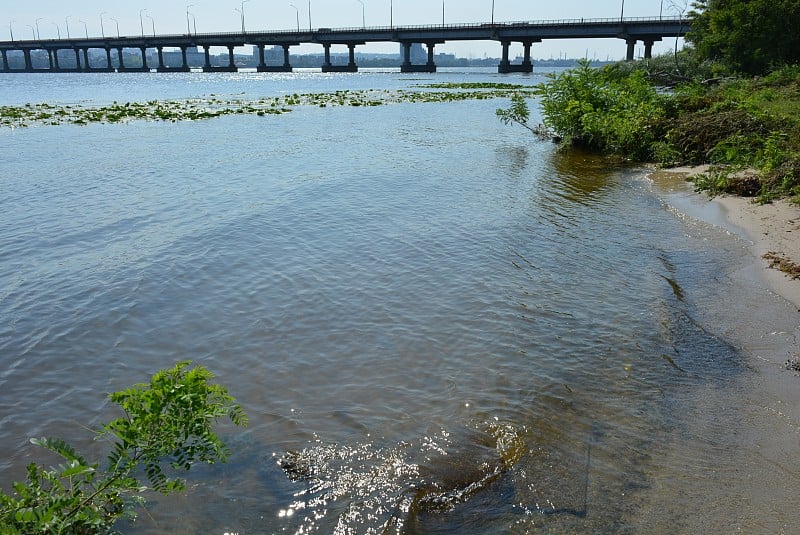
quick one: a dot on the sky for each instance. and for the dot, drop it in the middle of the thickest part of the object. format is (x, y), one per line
(51, 17)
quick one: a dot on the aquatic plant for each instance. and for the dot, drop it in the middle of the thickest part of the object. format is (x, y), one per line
(166, 427)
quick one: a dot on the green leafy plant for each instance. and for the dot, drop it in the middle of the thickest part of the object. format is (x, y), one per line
(166, 428)
(518, 112)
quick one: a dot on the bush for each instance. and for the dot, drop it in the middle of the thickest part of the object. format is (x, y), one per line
(166, 422)
(605, 111)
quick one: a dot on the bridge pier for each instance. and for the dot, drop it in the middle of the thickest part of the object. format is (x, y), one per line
(262, 64)
(145, 68)
(408, 67)
(28, 63)
(526, 66)
(6, 66)
(351, 65)
(629, 56)
(231, 67)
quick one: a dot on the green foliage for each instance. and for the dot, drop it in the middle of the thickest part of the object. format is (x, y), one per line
(518, 112)
(167, 422)
(605, 111)
(748, 36)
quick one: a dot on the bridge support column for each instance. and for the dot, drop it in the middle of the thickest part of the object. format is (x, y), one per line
(207, 55)
(505, 63)
(327, 64)
(145, 68)
(161, 66)
(352, 63)
(527, 65)
(287, 65)
(231, 60)
(77, 58)
(185, 64)
(56, 66)
(49, 59)
(109, 63)
(431, 65)
(629, 56)
(86, 65)
(6, 66)
(28, 63)
(261, 63)
(406, 66)
(648, 47)
(120, 59)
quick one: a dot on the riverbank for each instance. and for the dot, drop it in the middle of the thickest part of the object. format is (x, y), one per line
(772, 228)
(747, 477)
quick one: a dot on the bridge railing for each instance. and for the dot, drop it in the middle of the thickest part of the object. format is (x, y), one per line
(357, 29)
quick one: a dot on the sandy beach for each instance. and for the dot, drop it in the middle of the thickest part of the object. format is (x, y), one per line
(752, 490)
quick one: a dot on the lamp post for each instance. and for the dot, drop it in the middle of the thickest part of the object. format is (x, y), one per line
(188, 28)
(442, 12)
(391, 14)
(11, 30)
(102, 29)
(363, 13)
(117, 23)
(622, 13)
(57, 29)
(492, 11)
(309, 15)
(243, 27)
(661, 10)
(66, 23)
(85, 28)
(153, 22)
(141, 22)
(297, 14)
(33, 31)
(38, 35)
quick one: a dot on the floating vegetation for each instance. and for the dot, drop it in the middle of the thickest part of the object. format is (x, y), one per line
(476, 85)
(216, 106)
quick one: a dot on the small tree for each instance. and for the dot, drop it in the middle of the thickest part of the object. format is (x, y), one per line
(166, 422)
(517, 113)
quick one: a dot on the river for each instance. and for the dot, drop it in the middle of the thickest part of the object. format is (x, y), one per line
(434, 322)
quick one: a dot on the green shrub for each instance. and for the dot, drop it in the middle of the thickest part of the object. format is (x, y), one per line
(166, 427)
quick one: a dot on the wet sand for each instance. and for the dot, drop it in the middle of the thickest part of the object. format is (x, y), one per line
(751, 485)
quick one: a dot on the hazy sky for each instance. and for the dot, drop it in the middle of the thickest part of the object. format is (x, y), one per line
(222, 16)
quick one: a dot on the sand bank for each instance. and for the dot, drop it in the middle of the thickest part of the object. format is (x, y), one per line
(749, 486)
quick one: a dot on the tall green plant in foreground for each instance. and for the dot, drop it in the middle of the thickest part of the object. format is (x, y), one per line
(166, 423)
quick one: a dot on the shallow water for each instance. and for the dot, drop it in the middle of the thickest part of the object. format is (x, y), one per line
(434, 323)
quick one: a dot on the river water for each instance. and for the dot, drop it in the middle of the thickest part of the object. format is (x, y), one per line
(435, 323)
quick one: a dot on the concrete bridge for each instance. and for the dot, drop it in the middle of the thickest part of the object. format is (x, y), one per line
(630, 30)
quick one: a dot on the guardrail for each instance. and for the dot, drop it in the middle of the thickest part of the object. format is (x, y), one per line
(359, 29)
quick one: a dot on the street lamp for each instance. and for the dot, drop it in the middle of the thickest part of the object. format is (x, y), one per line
(188, 28)
(102, 29)
(57, 29)
(33, 31)
(141, 22)
(38, 35)
(442, 12)
(309, 15)
(492, 11)
(661, 10)
(153, 21)
(391, 14)
(363, 13)
(85, 28)
(243, 3)
(297, 14)
(11, 30)
(117, 23)
(622, 13)
(66, 22)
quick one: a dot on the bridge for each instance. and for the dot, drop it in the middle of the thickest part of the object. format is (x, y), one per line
(630, 30)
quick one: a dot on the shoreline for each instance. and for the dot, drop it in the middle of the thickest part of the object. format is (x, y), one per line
(767, 228)
(749, 490)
